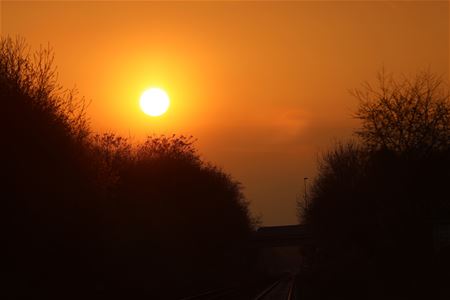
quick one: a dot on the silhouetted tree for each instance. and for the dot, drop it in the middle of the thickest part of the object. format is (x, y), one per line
(45, 176)
(174, 214)
(33, 76)
(374, 203)
(405, 115)
(95, 216)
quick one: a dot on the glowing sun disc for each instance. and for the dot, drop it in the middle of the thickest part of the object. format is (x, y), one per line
(154, 102)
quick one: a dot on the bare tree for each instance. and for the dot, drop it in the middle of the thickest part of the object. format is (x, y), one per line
(34, 74)
(406, 115)
(373, 201)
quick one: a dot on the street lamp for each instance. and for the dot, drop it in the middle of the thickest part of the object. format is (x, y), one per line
(304, 182)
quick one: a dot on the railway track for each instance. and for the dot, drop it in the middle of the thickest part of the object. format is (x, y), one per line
(279, 289)
(221, 293)
(282, 289)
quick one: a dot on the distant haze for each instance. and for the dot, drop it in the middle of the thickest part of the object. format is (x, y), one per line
(263, 86)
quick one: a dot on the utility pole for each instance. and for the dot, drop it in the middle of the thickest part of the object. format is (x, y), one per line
(304, 182)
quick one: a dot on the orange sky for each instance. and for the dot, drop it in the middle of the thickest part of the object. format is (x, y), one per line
(262, 85)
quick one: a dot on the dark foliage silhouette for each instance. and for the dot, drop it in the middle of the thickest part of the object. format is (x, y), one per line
(94, 216)
(405, 115)
(197, 218)
(376, 204)
(44, 175)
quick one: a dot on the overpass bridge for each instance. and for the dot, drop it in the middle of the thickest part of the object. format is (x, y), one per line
(282, 236)
(280, 248)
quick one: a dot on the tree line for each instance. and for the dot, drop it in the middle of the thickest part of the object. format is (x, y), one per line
(90, 215)
(380, 204)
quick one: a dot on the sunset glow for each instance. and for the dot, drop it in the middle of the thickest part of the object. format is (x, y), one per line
(154, 102)
(273, 150)
(263, 86)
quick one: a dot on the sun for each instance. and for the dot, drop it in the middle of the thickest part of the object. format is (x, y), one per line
(154, 102)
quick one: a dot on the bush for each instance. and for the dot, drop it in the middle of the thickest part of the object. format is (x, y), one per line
(89, 216)
(376, 202)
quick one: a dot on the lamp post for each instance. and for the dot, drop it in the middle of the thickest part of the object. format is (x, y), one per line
(304, 182)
